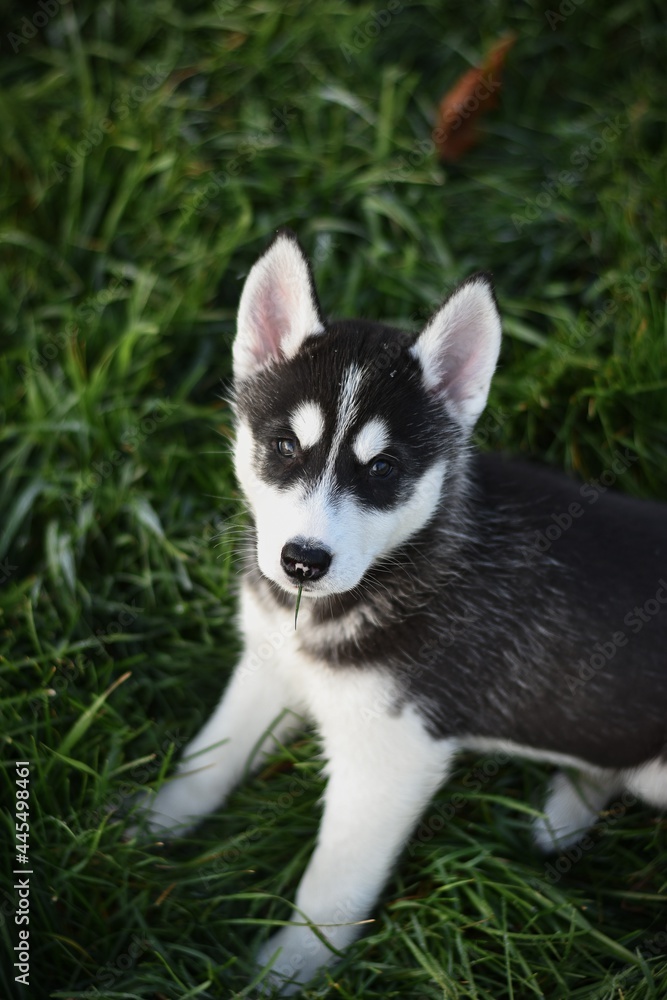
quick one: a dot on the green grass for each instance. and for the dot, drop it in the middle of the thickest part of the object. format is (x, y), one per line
(149, 151)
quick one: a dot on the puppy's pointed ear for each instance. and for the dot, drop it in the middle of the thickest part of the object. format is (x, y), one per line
(278, 307)
(458, 349)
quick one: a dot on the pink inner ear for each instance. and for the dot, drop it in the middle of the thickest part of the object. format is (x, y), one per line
(278, 308)
(270, 321)
(458, 349)
(463, 374)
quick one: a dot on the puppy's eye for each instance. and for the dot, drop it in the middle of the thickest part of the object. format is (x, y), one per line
(286, 447)
(380, 468)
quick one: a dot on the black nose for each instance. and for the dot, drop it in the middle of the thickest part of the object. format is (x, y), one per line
(304, 562)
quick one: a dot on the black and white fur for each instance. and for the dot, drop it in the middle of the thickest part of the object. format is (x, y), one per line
(432, 620)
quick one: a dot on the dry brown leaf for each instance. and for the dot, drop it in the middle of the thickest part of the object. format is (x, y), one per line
(471, 96)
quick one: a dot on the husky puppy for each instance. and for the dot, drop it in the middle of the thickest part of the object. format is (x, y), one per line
(450, 600)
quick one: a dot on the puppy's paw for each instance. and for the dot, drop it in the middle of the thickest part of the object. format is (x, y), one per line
(295, 955)
(167, 814)
(572, 806)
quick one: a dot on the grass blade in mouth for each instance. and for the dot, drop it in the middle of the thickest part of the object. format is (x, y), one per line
(298, 602)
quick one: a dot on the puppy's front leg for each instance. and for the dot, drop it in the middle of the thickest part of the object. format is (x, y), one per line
(382, 774)
(258, 702)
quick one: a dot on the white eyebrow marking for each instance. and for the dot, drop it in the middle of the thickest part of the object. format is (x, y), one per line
(348, 405)
(347, 410)
(307, 422)
(372, 439)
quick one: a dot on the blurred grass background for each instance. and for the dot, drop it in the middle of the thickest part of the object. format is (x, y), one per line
(149, 151)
